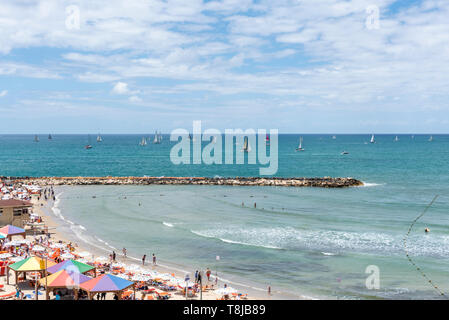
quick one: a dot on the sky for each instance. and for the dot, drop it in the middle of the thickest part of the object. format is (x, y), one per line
(299, 66)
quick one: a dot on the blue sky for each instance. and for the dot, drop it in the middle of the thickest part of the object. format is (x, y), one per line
(306, 66)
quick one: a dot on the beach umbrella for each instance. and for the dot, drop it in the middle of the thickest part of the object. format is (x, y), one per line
(182, 284)
(13, 243)
(38, 248)
(63, 279)
(57, 245)
(5, 255)
(2, 236)
(31, 264)
(10, 230)
(140, 277)
(71, 266)
(16, 259)
(84, 254)
(226, 291)
(106, 283)
(67, 256)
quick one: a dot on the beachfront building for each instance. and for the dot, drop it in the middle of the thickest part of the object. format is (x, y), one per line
(14, 212)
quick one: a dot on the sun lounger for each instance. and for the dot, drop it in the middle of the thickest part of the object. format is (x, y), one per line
(7, 296)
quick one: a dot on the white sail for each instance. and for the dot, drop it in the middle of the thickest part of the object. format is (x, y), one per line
(246, 145)
(431, 138)
(99, 138)
(300, 148)
(372, 139)
(396, 138)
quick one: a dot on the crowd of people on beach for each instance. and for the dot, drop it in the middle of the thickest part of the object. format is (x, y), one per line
(150, 283)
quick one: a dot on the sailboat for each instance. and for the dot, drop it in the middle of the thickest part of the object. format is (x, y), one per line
(157, 138)
(334, 137)
(36, 138)
(88, 145)
(143, 142)
(431, 139)
(99, 138)
(246, 146)
(300, 148)
(49, 137)
(396, 139)
(372, 139)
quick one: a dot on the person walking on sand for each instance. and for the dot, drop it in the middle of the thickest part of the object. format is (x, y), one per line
(154, 259)
(113, 255)
(124, 252)
(196, 276)
(143, 259)
(208, 274)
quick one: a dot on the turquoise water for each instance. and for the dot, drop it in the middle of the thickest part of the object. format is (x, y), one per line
(302, 241)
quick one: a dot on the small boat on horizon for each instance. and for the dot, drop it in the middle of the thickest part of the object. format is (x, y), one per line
(431, 139)
(143, 142)
(157, 138)
(300, 148)
(88, 145)
(372, 139)
(50, 137)
(345, 152)
(396, 139)
(36, 138)
(334, 137)
(246, 146)
(99, 138)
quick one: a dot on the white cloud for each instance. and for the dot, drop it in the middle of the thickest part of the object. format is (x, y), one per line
(121, 88)
(135, 99)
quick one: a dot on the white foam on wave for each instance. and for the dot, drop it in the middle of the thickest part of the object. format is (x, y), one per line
(216, 234)
(327, 242)
(371, 184)
(167, 224)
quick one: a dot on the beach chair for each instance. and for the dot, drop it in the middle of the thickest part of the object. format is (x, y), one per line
(7, 296)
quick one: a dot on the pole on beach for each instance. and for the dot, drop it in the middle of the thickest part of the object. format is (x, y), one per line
(201, 286)
(187, 278)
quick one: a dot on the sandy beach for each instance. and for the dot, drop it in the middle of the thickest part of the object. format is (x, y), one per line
(43, 209)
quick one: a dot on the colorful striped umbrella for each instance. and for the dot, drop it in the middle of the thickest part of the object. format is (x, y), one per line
(31, 264)
(71, 266)
(106, 283)
(10, 230)
(63, 279)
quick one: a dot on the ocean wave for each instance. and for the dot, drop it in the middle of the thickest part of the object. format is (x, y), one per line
(167, 224)
(369, 184)
(329, 241)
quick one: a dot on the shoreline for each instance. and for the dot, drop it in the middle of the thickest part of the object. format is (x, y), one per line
(324, 182)
(61, 230)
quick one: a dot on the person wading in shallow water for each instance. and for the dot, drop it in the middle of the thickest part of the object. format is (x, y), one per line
(154, 259)
(143, 259)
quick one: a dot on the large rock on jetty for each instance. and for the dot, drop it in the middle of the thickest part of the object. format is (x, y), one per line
(326, 182)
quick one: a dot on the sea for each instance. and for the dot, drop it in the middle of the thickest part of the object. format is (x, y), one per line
(353, 243)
